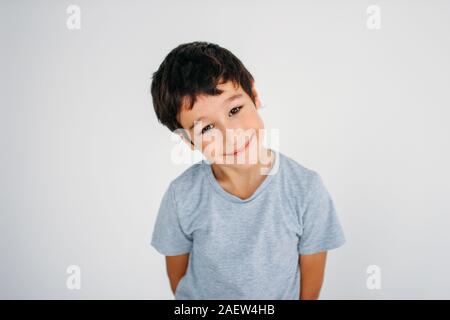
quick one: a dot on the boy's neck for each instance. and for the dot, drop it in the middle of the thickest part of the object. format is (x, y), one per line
(243, 180)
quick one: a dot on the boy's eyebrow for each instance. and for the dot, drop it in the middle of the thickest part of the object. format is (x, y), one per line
(232, 98)
(195, 122)
(227, 100)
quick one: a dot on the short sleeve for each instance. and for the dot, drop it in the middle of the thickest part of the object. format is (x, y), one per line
(321, 229)
(168, 237)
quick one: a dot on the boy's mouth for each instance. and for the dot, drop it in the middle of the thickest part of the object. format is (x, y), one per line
(236, 152)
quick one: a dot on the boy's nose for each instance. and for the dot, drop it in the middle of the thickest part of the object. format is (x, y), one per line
(236, 139)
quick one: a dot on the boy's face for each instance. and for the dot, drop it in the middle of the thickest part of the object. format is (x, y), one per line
(226, 128)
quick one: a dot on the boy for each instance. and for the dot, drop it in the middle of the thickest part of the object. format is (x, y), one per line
(230, 229)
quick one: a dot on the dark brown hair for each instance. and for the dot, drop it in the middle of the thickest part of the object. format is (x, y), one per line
(193, 69)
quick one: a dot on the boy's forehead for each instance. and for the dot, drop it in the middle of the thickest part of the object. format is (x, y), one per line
(228, 88)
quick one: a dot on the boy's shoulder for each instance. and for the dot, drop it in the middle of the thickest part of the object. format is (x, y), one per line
(189, 181)
(296, 179)
(295, 172)
(191, 173)
(294, 166)
(301, 184)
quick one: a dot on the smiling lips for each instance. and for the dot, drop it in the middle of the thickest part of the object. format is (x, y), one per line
(241, 149)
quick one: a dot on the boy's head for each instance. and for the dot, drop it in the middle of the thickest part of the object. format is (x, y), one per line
(205, 93)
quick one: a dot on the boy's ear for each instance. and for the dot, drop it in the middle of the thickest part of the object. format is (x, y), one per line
(185, 137)
(255, 94)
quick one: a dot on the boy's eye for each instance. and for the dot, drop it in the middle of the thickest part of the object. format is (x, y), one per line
(235, 110)
(232, 112)
(208, 127)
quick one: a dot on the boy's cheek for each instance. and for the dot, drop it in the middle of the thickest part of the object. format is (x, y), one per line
(211, 150)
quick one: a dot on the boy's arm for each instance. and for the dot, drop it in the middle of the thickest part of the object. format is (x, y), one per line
(176, 268)
(312, 269)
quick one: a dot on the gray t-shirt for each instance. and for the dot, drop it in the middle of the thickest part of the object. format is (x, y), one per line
(246, 249)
